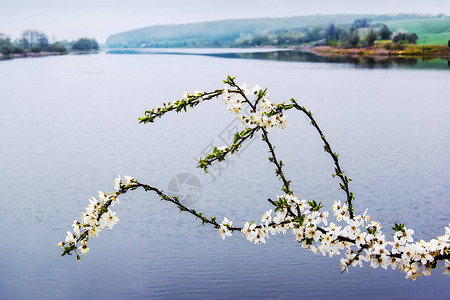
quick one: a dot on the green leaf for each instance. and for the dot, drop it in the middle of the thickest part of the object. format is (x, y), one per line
(69, 249)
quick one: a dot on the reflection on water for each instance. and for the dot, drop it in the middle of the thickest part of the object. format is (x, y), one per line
(360, 62)
(382, 62)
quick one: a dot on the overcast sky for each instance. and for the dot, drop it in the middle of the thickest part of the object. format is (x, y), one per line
(63, 19)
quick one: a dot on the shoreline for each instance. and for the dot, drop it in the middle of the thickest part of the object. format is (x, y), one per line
(378, 51)
(42, 54)
(31, 54)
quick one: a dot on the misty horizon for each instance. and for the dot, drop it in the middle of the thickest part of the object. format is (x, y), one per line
(69, 21)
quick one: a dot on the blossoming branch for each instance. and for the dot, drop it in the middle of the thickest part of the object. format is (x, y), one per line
(355, 238)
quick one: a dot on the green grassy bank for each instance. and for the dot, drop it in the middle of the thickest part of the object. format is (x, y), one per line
(430, 31)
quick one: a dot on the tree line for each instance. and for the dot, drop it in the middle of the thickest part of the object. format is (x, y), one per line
(360, 33)
(33, 41)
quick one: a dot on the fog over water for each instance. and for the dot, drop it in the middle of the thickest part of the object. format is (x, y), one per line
(101, 18)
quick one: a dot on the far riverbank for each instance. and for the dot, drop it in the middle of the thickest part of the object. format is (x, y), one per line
(31, 54)
(386, 50)
(42, 54)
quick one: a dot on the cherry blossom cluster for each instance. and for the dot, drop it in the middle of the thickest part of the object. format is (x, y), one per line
(262, 110)
(358, 240)
(239, 99)
(97, 216)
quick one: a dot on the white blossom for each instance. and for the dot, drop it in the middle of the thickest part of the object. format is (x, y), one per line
(70, 237)
(223, 228)
(84, 249)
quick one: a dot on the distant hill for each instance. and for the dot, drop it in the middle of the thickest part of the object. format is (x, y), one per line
(434, 31)
(222, 33)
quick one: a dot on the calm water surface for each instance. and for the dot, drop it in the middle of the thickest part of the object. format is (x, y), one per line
(376, 62)
(69, 125)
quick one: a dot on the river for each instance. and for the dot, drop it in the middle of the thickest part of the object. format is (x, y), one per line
(69, 125)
